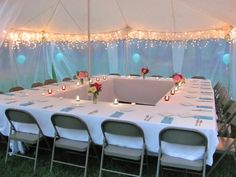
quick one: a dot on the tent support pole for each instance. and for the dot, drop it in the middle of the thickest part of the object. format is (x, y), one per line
(89, 42)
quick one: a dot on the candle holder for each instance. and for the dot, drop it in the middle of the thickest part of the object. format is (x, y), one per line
(104, 77)
(63, 87)
(167, 98)
(49, 91)
(78, 83)
(115, 102)
(97, 79)
(77, 98)
(133, 103)
(172, 92)
(91, 81)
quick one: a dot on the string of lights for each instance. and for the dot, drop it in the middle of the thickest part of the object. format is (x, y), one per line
(32, 39)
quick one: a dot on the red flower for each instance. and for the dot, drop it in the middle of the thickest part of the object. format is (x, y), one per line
(144, 71)
(98, 86)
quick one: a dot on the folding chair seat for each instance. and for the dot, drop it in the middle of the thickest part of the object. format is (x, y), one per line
(182, 138)
(49, 81)
(36, 84)
(32, 138)
(122, 129)
(62, 122)
(17, 88)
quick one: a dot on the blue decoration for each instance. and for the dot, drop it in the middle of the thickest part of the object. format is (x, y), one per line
(21, 59)
(136, 57)
(59, 56)
(226, 59)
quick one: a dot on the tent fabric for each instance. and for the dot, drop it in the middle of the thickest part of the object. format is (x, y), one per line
(23, 65)
(70, 16)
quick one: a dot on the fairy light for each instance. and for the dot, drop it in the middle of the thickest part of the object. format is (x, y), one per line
(110, 39)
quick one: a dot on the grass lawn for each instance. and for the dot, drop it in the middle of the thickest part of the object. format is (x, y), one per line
(19, 167)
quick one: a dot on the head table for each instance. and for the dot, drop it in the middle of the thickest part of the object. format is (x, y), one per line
(192, 106)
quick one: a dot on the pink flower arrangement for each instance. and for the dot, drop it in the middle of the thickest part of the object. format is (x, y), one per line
(95, 88)
(82, 74)
(178, 78)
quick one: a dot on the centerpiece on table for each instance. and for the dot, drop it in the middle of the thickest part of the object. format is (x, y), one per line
(178, 79)
(94, 89)
(81, 76)
(144, 72)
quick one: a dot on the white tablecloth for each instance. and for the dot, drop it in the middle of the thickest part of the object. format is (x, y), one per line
(192, 101)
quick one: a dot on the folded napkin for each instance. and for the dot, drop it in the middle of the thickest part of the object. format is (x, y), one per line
(117, 114)
(167, 120)
(9, 102)
(9, 94)
(204, 98)
(49, 106)
(27, 103)
(203, 117)
(67, 109)
(207, 88)
(207, 107)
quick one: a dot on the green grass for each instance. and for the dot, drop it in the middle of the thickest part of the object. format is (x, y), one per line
(19, 167)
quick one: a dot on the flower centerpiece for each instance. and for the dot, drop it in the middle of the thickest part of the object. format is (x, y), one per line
(81, 76)
(94, 89)
(144, 71)
(178, 78)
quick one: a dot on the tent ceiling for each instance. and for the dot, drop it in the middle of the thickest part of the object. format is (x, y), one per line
(70, 16)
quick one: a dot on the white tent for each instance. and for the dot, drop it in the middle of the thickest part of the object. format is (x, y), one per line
(70, 16)
(168, 20)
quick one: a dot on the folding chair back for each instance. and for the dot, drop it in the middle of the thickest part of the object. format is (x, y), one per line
(135, 75)
(66, 79)
(114, 74)
(49, 81)
(36, 84)
(68, 122)
(122, 128)
(17, 88)
(183, 136)
(198, 77)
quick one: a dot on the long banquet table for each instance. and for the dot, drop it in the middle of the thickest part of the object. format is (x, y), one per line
(192, 106)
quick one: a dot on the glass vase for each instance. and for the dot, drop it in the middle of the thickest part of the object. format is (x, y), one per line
(95, 98)
(81, 81)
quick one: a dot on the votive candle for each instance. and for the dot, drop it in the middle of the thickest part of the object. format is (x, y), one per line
(167, 98)
(115, 101)
(49, 91)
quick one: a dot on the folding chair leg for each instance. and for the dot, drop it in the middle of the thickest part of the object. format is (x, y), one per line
(8, 146)
(53, 153)
(36, 154)
(141, 164)
(101, 164)
(86, 161)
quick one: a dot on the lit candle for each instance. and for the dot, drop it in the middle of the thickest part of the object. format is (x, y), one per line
(129, 76)
(77, 83)
(104, 77)
(97, 79)
(115, 101)
(133, 103)
(77, 98)
(167, 98)
(157, 78)
(176, 88)
(172, 92)
(91, 81)
(49, 91)
(63, 87)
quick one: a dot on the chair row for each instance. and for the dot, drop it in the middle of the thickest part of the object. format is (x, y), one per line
(110, 128)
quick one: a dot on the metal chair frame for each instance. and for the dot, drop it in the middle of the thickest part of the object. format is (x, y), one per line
(69, 122)
(17, 115)
(169, 134)
(123, 128)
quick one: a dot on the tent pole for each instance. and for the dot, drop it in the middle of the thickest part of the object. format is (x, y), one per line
(89, 42)
(127, 50)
